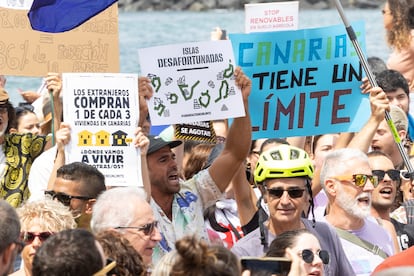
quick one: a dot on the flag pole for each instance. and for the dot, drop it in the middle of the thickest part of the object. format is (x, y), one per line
(352, 36)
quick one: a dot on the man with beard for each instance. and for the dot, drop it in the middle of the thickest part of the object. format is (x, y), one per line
(348, 182)
(383, 197)
(179, 205)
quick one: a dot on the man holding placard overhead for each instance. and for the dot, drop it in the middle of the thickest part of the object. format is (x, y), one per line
(178, 205)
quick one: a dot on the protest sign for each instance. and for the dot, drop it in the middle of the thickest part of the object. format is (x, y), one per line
(268, 17)
(91, 47)
(192, 82)
(102, 110)
(304, 82)
(198, 131)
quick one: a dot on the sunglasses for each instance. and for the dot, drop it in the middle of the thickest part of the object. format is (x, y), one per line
(28, 237)
(22, 108)
(147, 229)
(393, 174)
(406, 175)
(293, 193)
(360, 180)
(64, 198)
(308, 256)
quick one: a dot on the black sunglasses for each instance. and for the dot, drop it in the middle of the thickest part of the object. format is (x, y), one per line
(64, 198)
(147, 229)
(393, 174)
(293, 193)
(308, 256)
(28, 237)
(22, 108)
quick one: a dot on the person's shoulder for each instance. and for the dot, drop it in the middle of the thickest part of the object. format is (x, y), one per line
(317, 225)
(371, 224)
(247, 244)
(251, 238)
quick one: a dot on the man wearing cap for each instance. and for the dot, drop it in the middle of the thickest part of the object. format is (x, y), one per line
(179, 205)
(20, 150)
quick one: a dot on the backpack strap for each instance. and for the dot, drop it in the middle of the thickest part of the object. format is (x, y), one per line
(374, 249)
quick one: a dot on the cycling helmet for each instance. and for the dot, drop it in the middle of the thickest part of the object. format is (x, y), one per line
(282, 162)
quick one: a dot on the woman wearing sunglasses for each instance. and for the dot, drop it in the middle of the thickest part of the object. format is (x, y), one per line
(39, 221)
(304, 244)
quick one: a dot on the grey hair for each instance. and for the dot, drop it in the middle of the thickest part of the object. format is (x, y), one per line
(339, 161)
(116, 207)
(9, 225)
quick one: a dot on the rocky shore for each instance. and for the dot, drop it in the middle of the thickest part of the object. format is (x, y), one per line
(203, 5)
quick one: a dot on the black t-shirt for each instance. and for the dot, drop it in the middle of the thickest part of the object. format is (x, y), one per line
(405, 233)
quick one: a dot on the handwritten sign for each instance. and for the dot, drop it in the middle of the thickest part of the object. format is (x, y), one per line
(192, 82)
(267, 17)
(20, 4)
(91, 47)
(102, 110)
(304, 82)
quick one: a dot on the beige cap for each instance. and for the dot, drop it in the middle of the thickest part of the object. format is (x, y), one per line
(399, 117)
(4, 96)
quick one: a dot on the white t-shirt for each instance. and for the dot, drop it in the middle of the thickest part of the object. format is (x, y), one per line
(40, 173)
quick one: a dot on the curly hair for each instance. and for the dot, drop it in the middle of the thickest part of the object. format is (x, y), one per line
(50, 214)
(196, 257)
(119, 249)
(399, 36)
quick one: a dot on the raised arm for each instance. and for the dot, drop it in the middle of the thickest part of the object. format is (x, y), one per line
(238, 139)
(244, 195)
(142, 142)
(54, 85)
(145, 92)
(62, 139)
(379, 103)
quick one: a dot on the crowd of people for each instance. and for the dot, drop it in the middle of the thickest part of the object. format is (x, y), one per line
(331, 204)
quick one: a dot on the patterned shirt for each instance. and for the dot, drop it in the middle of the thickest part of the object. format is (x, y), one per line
(187, 212)
(20, 151)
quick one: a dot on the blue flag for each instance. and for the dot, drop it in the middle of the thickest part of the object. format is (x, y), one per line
(56, 16)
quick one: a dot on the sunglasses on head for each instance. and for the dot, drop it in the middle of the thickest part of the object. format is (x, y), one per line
(64, 198)
(147, 229)
(293, 193)
(406, 175)
(360, 180)
(393, 174)
(28, 237)
(308, 256)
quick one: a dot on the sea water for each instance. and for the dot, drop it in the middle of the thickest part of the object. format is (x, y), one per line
(146, 29)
